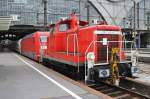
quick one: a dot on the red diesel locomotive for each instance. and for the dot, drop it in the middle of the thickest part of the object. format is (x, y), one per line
(33, 45)
(93, 51)
(89, 52)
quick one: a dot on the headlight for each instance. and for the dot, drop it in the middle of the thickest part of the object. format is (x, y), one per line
(103, 73)
(134, 70)
(90, 56)
(43, 47)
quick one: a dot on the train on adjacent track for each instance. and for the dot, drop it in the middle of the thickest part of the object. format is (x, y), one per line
(92, 53)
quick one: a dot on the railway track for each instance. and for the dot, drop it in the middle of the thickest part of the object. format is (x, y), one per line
(136, 86)
(128, 89)
(117, 92)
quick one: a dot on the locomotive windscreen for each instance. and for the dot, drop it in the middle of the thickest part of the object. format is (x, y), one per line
(102, 47)
(43, 39)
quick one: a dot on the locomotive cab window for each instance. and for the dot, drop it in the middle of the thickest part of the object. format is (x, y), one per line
(43, 38)
(63, 27)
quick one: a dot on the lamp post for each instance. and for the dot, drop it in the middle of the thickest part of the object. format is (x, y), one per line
(134, 33)
(88, 10)
(45, 14)
(79, 9)
(134, 24)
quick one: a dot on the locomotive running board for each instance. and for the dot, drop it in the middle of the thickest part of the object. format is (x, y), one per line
(63, 61)
(101, 64)
(109, 63)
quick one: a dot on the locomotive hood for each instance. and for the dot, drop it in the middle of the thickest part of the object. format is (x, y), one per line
(108, 27)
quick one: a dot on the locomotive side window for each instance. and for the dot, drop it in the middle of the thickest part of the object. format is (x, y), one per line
(43, 39)
(63, 27)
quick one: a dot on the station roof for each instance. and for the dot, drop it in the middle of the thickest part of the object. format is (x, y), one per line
(16, 32)
(120, 9)
(5, 22)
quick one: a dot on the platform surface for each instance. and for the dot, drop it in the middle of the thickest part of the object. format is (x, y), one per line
(20, 81)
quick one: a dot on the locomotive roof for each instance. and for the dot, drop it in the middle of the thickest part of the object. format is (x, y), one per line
(103, 26)
(109, 27)
(37, 32)
(81, 23)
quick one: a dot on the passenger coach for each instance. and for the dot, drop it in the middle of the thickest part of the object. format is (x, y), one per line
(34, 45)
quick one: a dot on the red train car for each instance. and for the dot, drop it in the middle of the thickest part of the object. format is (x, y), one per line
(92, 51)
(34, 45)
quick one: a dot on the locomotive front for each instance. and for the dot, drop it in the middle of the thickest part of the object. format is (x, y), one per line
(107, 61)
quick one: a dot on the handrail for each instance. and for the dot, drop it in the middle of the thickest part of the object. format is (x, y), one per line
(75, 38)
(107, 44)
(93, 43)
(74, 35)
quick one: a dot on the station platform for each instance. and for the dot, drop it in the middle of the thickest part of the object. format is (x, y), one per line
(22, 78)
